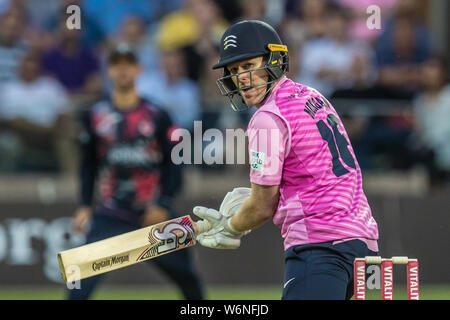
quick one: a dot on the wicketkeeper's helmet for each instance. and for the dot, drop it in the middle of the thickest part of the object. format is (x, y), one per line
(245, 40)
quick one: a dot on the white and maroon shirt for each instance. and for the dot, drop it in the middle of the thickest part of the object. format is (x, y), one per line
(297, 141)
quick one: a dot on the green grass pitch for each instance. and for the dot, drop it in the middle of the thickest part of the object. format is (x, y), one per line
(428, 292)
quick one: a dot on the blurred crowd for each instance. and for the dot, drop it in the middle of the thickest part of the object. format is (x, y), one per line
(49, 73)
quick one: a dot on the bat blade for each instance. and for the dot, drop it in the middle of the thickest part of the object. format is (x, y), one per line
(129, 248)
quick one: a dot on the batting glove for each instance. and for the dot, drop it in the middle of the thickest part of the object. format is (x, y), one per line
(222, 235)
(234, 200)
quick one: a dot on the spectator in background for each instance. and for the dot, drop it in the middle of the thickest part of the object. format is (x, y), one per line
(71, 63)
(335, 62)
(307, 21)
(254, 10)
(172, 89)
(28, 29)
(109, 15)
(358, 28)
(412, 9)
(135, 35)
(231, 9)
(432, 114)
(304, 21)
(12, 47)
(186, 26)
(400, 51)
(34, 113)
(271, 12)
(196, 29)
(91, 35)
(41, 11)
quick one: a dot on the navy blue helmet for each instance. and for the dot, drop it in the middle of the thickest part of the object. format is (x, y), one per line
(246, 40)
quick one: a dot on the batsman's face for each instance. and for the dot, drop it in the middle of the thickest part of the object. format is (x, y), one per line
(123, 74)
(252, 83)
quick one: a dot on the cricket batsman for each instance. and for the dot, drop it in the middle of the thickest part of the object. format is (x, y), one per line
(126, 146)
(304, 174)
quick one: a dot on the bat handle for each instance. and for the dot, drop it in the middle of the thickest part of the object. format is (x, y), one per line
(202, 226)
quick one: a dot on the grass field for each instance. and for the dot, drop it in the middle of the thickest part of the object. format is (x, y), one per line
(429, 292)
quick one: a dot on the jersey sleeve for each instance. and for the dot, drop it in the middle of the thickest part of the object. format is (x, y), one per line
(171, 174)
(88, 159)
(268, 137)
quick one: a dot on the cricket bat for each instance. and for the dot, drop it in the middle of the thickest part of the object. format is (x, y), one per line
(129, 248)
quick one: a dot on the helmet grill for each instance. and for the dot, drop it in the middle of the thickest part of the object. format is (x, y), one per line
(277, 65)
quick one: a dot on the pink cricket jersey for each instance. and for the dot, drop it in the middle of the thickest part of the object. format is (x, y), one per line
(297, 141)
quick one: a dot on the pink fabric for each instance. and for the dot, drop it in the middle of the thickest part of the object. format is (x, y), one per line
(315, 204)
(270, 141)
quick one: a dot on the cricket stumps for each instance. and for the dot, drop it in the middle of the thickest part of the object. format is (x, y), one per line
(387, 276)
